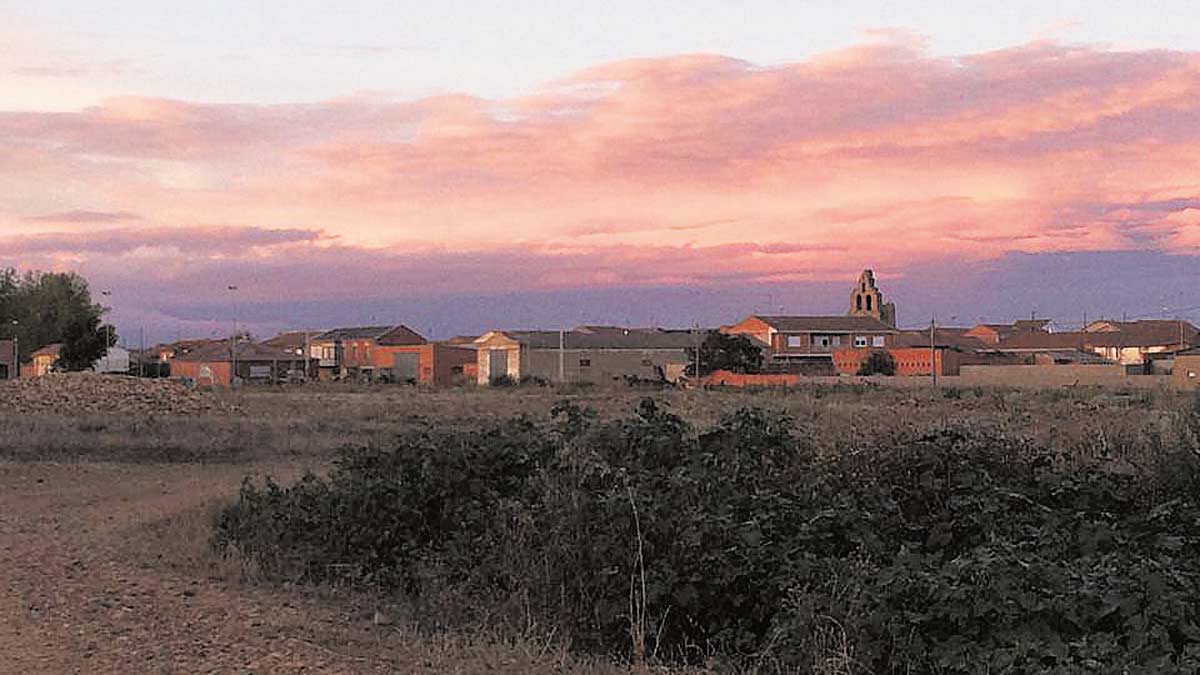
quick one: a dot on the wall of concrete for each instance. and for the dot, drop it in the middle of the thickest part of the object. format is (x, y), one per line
(604, 365)
(1056, 376)
(1185, 374)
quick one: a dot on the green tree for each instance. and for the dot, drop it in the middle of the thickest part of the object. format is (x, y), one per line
(722, 351)
(44, 308)
(879, 362)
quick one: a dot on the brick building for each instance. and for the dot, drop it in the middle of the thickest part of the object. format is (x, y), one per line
(215, 364)
(806, 344)
(389, 353)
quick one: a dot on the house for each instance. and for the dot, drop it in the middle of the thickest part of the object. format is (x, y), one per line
(44, 359)
(1130, 342)
(1185, 374)
(221, 364)
(805, 344)
(298, 342)
(995, 333)
(115, 360)
(596, 354)
(168, 351)
(390, 353)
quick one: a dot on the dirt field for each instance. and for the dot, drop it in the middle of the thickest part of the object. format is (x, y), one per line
(104, 569)
(104, 520)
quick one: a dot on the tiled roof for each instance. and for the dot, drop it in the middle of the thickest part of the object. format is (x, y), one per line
(826, 324)
(1030, 325)
(49, 350)
(401, 335)
(1035, 341)
(246, 351)
(1145, 333)
(616, 338)
(942, 337)
(292, 339)
(356, 333)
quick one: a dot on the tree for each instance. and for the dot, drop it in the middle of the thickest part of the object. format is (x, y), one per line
(878, 362)
(43, 308)
(722, 351)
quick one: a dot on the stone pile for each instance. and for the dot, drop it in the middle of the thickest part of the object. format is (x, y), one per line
(82, 393)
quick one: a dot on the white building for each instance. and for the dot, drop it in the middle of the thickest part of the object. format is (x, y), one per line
(116, 360)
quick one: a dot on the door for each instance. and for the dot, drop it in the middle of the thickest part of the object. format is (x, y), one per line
(406, 366)
(497, 364)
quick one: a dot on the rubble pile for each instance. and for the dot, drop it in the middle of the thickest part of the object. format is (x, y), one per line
(79, 393)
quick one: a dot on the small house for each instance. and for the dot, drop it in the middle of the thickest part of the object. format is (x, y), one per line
(44, 360)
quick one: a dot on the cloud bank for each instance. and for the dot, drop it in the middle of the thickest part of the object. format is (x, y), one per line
(688, 170)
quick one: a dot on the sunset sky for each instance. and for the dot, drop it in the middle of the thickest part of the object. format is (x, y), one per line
(479, 166)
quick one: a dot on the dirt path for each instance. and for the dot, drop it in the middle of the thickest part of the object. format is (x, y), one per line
(70, 601)
(73, 601)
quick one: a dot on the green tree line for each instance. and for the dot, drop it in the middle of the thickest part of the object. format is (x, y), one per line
(41, 308)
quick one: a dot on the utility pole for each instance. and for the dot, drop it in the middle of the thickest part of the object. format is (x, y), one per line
(16, 353)
(107, 334)
(933, 350)
(562, 356)
(233, 374)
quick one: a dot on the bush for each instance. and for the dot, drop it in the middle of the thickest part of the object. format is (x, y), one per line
(946, 550)
(878, 362)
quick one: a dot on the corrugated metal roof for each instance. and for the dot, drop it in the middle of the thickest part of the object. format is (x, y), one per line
(826, 324)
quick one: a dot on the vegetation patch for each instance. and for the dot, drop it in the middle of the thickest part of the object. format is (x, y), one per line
(952, 549)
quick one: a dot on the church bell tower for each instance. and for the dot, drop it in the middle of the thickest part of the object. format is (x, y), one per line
(867, 300)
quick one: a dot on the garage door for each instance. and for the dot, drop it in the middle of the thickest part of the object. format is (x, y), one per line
(406, 366)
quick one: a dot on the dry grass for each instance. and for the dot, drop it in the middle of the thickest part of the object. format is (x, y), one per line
(282, 432)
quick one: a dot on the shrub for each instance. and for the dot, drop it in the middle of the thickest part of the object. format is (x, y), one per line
(878, 362)
(941, 550)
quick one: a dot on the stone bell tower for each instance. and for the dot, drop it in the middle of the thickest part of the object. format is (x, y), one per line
(867, 300)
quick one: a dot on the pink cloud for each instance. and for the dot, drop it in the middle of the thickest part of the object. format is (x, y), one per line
(691, 169)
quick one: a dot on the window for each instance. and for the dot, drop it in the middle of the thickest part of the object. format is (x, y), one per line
(647, 362)
(858, 302)
(795, 340)
(877, 341)
(861, 341)
(585, 363)
(868, 303)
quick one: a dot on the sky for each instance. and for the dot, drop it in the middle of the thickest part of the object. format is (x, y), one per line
(465, 166)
